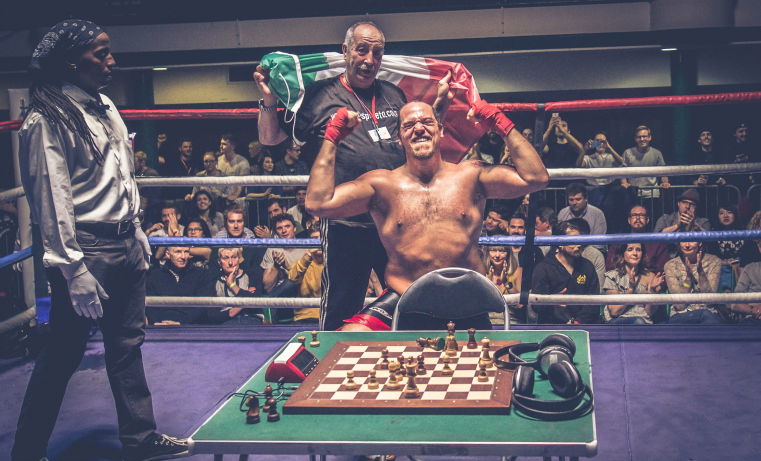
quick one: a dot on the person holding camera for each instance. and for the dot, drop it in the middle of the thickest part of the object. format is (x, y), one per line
(684, 218)
(598, 153)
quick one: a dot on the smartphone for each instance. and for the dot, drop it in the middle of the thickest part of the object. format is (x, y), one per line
(556, 115)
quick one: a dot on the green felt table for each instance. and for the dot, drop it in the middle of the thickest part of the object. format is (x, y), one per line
(402, 434)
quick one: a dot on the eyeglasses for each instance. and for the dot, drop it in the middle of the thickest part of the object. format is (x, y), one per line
(195, 229)
(638, 215)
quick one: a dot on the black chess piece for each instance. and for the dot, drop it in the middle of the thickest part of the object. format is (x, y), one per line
(252, 415)
(272, 414)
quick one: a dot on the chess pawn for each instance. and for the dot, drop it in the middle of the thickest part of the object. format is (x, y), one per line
(372, 381)
(272, 414)
(252, 415)
(315, 342)
(482, 375)
(350, 384)
(472, 344)
(486, 354)
(393, 377)
(421, 365)
(302, 340)
(383, 365)
(446, 370)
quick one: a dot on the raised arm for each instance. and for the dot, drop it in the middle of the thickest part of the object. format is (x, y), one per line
(529, 174)
(323, 198)
(270, 132)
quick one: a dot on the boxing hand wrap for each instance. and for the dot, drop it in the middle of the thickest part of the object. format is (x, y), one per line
(492, 117)
(338, 127)
(371, 322)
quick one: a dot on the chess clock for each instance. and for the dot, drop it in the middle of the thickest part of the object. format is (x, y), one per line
(294, 363)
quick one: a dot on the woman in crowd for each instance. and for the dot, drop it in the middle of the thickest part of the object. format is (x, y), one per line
(727, 250)
(266, 165)
(202, 207)
(197, 228)
(503, 270)
(631, 276)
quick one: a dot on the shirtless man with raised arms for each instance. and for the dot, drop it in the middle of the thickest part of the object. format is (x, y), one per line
(428, 212)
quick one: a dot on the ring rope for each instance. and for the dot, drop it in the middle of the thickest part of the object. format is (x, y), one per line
(512, 299)
(13, 258)
(520, 240)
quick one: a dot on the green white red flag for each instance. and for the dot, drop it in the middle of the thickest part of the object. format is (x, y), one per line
(418, 77)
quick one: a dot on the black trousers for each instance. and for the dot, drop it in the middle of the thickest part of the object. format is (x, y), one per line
(349, 254)
(117, 265)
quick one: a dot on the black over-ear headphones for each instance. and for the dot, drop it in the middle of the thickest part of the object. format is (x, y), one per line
(554, 362)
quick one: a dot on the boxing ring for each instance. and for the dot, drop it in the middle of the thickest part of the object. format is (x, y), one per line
(652, 383)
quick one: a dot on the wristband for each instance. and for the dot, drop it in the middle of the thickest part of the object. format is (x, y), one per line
(373, 323)
(265, 108)
(338, 127)
(492, 117)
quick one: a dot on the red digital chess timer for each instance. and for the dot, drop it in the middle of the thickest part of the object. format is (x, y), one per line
(294, 363)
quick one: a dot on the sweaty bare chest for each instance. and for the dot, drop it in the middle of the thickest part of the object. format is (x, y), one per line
(435, 204)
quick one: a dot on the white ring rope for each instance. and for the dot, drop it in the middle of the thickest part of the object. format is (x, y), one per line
(555, 173)
(513, 299)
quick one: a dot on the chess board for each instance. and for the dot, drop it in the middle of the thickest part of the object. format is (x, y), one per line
(324, 391)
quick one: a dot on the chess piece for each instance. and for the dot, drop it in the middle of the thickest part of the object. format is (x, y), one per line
(315, 342)
(350, 384)
(393, 377)
(252, 415)
(421, 365)
(267, 396)
(482, 376)
(450, 332)
(446, 370)
(450, 346)
(472, 344)
(450, 328)
(372, 381)
(485, 354)
(411, 391)
(436, 344)
(400, 370)
(302, 340)
(272, 415)
(383, 365)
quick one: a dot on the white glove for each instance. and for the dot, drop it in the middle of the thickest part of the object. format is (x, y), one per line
(143, 239)
(86, 293)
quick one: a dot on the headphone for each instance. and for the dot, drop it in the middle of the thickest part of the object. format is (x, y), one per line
(554, 362)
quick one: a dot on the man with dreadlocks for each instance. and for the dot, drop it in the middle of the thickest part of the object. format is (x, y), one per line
(78, 173)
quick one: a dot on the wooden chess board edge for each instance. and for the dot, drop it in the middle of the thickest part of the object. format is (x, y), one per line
(300, 401)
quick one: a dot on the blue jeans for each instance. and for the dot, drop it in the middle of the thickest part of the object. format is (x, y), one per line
(701, 316)
(627, 321)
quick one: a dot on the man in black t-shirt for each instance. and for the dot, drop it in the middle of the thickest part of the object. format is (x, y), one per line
(351, 245)
(566, 272)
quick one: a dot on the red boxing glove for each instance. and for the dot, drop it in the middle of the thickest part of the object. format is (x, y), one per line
(492, 117)
(373, 323)
(338, 127)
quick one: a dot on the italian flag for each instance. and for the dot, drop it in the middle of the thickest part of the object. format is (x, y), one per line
(291, 74)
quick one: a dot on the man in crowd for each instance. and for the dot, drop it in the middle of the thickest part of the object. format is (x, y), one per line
(495, 222)
(169, 226)
(291, 165)
(579, 207)
(684, 219)
(704, 154)
(351, 244)
(233, 281)
(657, 252)
(275, 207)
(561, 149)
(423, 198)
(544, 223)
(566, 272)
(177, 166)
(643, 154)
(298, 211)
(599, 153)
(232, 164)
(148, 195)
(74, 148)
(749, 282)
(693, 271)
(306, 273)
(235, 226)
(277, 261)
(178, 278)
(517, 226)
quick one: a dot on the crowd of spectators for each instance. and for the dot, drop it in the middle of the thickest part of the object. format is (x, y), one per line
(595, 206)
